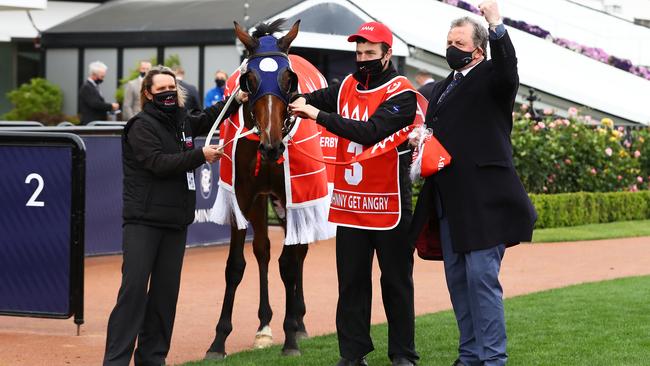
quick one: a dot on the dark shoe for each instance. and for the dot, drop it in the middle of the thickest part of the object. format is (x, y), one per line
(345, 362)
(401, 361)
(457, 363)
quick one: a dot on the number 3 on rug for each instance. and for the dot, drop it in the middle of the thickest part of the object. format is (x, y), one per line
(354, 174)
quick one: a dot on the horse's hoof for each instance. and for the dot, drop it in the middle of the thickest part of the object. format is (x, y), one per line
(291, 352)
(214, 356)
(300, 335)
(263, 338)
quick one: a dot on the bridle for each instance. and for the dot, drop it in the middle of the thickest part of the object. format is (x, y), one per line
(272, 85)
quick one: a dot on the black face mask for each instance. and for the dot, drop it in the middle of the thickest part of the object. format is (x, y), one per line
(166, 101)
(220, 82)
(99, 81)
(457, 58)
(370, 67)
(142, 74)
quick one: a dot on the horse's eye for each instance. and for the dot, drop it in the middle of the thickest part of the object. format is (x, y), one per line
(290, 81)
(248, 82)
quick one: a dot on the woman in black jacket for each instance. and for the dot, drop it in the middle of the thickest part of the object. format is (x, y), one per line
(159, 158)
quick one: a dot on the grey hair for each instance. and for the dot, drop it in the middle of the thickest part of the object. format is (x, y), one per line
(479, 35)
(96, 66)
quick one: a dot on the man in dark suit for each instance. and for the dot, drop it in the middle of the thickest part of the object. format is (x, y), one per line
(478, 201)
(92, 106)
(192, 98)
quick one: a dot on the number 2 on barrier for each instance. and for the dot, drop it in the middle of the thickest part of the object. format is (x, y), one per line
(354, 174)
(32, 202)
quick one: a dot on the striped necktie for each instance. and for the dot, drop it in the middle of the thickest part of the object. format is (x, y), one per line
(457, 78)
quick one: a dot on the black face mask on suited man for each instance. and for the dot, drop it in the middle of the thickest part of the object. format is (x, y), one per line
(457, 58)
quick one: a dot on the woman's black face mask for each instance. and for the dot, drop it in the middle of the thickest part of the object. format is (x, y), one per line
(166, 101)
(220, 82)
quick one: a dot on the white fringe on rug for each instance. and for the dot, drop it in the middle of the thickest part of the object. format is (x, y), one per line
(309, 223)
(226, 208)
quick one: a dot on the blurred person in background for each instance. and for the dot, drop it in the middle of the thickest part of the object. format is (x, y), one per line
(131, 105)
(425, 80)
(192, 98)
(92, 106)
(215, 94)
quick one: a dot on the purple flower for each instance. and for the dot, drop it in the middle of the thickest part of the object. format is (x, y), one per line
(532, 29)
(620, 63)
(468, 6)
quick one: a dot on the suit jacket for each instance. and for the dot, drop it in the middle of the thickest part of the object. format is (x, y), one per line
(482, 196)
(131, 105)
(92, 105)
(426, 89)
(192, 98)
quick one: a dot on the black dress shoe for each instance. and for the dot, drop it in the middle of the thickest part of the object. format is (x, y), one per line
(345, 362)
(457, 363)
(401, 361)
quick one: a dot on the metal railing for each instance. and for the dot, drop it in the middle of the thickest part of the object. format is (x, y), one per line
(92, 128)
(19, 123)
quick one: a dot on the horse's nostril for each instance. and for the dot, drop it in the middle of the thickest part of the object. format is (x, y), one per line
(281, 148)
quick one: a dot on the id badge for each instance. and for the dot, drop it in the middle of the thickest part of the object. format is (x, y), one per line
(190, 181)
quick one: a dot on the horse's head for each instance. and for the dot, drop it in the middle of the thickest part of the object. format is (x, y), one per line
(269, 81)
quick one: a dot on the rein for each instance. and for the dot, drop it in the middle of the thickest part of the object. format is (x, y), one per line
(366, 154)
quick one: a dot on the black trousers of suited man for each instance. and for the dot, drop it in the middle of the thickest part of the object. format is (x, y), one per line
(146, 301)
(355, 249)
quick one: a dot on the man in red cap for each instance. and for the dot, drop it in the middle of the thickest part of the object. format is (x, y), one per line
(371, 202)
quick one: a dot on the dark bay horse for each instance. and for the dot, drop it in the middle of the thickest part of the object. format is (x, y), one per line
(260, 177)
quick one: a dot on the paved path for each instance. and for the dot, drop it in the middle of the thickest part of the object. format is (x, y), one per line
(526, 268)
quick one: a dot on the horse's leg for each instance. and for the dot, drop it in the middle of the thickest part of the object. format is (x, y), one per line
(234, 272)
(301, 333)
(262, 251)
(289, 273)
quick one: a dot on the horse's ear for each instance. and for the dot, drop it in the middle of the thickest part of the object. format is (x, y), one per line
(285, 42)
(249, 42)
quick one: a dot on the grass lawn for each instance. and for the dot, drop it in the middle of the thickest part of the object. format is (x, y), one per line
(621, 229)
(605, 323)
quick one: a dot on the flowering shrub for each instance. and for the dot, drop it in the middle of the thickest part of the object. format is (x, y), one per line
(592, 52)
(557, 155)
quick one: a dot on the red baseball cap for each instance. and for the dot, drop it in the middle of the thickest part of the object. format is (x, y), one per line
(374, 32)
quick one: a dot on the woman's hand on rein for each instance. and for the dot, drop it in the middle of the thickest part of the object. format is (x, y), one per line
(241, 97)
(212, 153)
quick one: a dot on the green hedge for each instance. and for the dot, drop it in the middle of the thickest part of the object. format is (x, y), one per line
(581, 208)
(573, 209)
